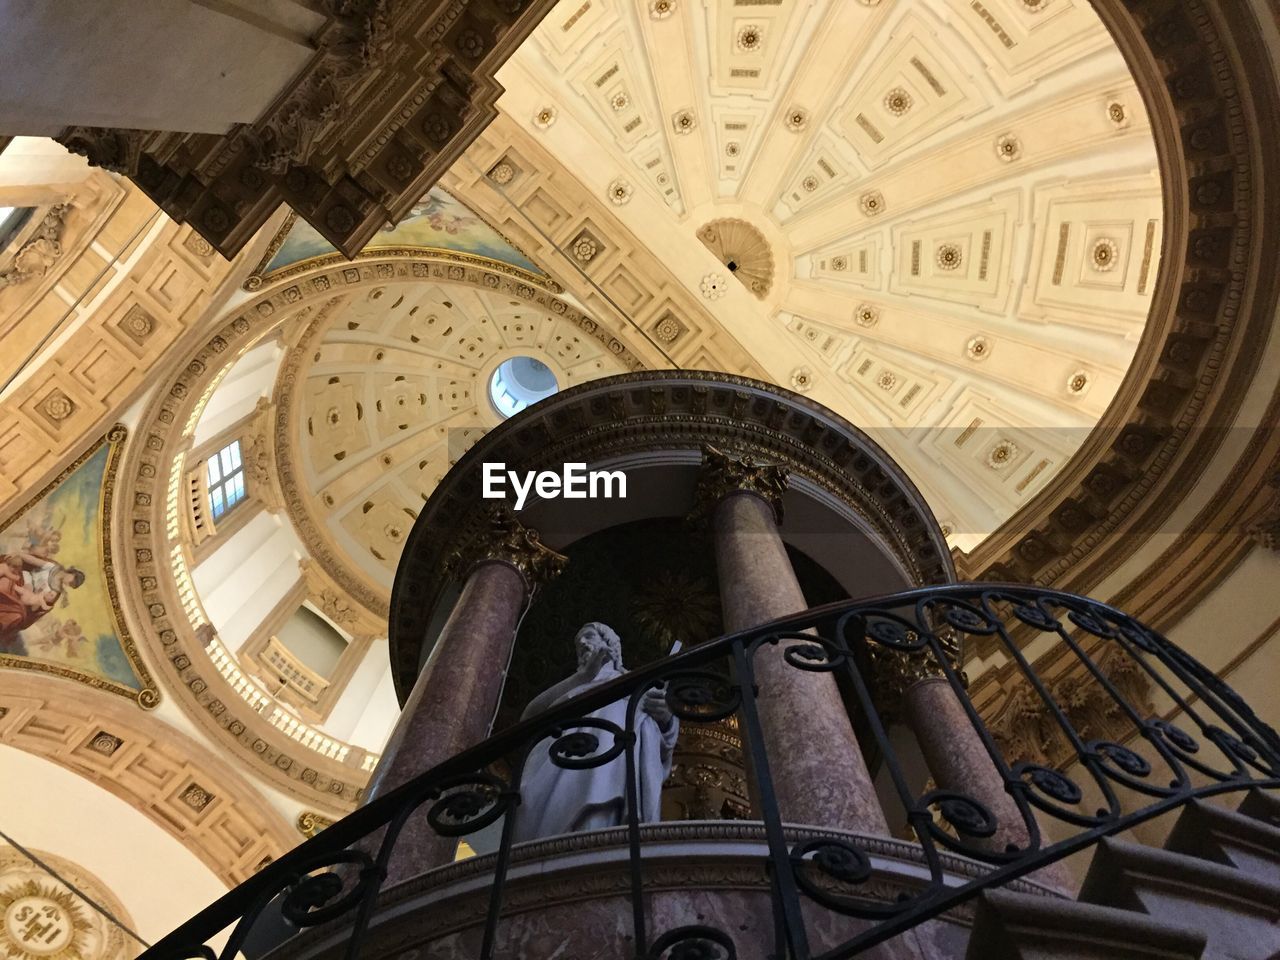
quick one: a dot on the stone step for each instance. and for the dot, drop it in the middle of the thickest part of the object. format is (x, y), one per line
(1018, 926)
(1223, 836)
(1262, 805)
(1238, 913)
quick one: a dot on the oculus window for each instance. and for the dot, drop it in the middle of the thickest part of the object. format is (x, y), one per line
(519, 383)
(226, 479)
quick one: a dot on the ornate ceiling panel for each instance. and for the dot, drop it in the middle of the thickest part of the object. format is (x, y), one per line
(961, 201)
(387, 387)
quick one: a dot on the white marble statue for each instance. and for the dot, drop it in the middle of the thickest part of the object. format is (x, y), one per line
(556, 800)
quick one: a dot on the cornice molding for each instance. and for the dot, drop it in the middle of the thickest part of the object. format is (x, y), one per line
(1208, 88)
(663, 410)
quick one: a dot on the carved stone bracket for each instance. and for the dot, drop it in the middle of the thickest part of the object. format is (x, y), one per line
(392, 96)
(40, 251)
(504, 539)
(1025, 729)
(724, 474)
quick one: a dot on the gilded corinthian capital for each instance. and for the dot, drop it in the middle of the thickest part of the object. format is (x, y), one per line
(504, 539)
(897, 671)
(723, 474)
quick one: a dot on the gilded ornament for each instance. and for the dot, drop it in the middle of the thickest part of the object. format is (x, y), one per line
(724, 474)
(1078, 382)
(897, 101)
(1105, 255)
(750, 37)
(1118, 114)
(978, 348)
(505, 540)
(619, 192)
(1008, 148)
(949, 257)
(1002, 454)
(872, 203)
(797, 119)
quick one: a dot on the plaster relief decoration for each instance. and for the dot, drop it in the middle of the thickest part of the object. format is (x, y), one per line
(743, 250)
(437, 222)
(42, 918)
(40, 251)
(920, 156)
(384, 392)
(57, 591)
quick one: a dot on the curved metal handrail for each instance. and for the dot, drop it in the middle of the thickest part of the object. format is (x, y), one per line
(1157, 767)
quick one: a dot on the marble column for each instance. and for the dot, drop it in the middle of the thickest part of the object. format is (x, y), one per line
(815, 762)
(954, 753)
(455, 698)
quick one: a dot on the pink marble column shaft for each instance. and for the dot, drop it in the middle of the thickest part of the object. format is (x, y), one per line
(815, 761)
(452, 704)
(958, 761)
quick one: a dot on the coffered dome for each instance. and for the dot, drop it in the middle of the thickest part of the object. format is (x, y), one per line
(386, 389)
(944, 218)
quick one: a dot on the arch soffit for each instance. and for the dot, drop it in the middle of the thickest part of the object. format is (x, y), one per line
(184, 788)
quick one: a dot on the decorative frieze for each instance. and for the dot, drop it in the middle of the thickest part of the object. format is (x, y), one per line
(389, 100)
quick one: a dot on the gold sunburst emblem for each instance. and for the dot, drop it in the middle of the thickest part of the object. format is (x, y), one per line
(42, 922)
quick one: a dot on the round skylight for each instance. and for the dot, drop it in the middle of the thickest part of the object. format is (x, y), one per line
(519, 382)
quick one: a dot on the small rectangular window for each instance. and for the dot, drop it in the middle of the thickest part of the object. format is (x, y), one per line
(226, 479)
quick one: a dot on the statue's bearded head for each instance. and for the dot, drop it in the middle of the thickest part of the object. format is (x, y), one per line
(598, 636)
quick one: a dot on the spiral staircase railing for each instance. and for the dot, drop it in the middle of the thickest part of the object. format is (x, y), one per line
(1102, 787)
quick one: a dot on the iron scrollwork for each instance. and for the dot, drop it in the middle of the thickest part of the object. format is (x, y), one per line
(1084, 747)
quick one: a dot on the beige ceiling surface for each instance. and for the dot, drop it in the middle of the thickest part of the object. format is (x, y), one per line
(946, 212)
(393, 388)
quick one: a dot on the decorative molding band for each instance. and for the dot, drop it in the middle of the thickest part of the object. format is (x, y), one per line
(655, 411)
(184, 788)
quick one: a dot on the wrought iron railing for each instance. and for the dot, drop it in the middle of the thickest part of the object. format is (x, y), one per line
(1196, 740)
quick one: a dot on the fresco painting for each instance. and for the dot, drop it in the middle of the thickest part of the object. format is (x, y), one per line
(56, 609)
(437, 222)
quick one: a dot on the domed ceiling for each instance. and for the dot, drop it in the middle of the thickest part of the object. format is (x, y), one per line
(387, 389)
(941, 217)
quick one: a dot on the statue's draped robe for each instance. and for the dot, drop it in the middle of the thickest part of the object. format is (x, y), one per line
(555, 800)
